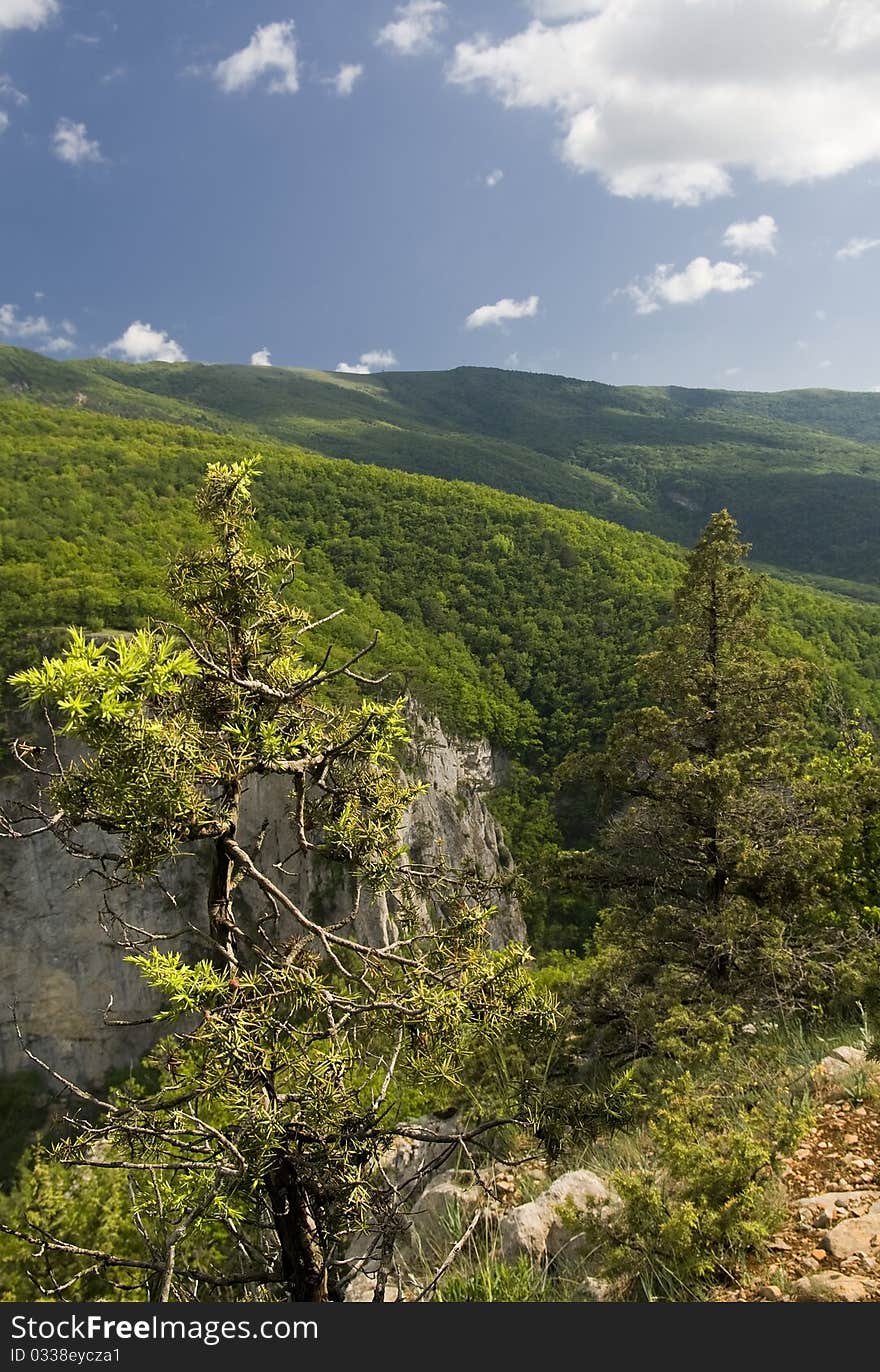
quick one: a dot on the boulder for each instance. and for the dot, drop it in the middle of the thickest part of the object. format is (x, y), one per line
(854, 1236)
(831, 1286)
(834, 1073)
(830, 1201)
(407, 1158)
(360, 1289)
(552, 1225)
(447, 1206)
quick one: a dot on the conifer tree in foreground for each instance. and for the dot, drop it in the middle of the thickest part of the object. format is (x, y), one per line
(721, 873)
(252, 1150)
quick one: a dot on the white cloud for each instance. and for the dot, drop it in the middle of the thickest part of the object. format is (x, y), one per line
(495, 177)
(346, 78)
(856, 247)
(697, 280)
(26, 14)
(142, 343)
(261, 358)
(12, 325)
(755, 235)
(512, 361)
(36, 331)
(502, 311)
(379, 358)
(415, 26)
(71, 143)
(9, 91)
(826, 362)
(272, 48)
(4, 121)
(732, 371)
(665, 98)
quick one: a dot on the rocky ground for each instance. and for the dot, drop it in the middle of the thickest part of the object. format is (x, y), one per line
(829, 1249)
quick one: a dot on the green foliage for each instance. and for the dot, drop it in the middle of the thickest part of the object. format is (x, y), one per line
(511, 620)
(255, 1151)
(800, 468)
(722, 869)
(709, 1196)
(521, 1282)
(93, 1208)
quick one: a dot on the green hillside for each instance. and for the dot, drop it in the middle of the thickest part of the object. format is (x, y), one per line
(514, 619)
(801, 470)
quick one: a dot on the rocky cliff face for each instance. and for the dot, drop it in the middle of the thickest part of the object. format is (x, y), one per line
(61, 965)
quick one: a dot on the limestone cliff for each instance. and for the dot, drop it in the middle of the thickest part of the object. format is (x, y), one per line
(61, 964)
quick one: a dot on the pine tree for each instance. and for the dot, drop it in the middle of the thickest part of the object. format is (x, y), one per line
(252, 1151)
(720, 871)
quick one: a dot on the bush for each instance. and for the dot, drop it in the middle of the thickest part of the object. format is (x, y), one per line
(708, 1197)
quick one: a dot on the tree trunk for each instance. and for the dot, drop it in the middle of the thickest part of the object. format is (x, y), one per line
(303, 1264)
(221, 920)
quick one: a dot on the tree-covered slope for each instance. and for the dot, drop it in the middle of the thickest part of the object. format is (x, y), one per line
(514, 619)
(800, 469)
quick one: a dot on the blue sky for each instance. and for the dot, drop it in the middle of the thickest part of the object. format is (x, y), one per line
(635, 191)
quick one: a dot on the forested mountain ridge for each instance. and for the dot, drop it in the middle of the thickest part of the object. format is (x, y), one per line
(800, 469)
(515, 620)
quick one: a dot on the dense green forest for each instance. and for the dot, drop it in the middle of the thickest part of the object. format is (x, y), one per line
(511, 619)
(253, 1153)
(699, 948)
(800, 469)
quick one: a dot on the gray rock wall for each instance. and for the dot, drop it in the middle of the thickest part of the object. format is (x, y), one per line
(60, 963)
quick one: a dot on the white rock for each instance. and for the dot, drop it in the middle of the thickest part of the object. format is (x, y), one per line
(831, 1286)
(833, 1072)
(854, 1236)
(551, 1225)
(446, 1207)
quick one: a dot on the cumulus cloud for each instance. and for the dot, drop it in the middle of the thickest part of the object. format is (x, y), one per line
(261, 358)
(856, 247)
(142, 343)
(502, 311)
(36, 331)
(755, 235)
(347, 78)
(697, 280)
(664, 98)
(495, 177)
(13, 325)
(414, 27)
(71, 143)
(272, 49)
(377, 359)
(26, 14)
